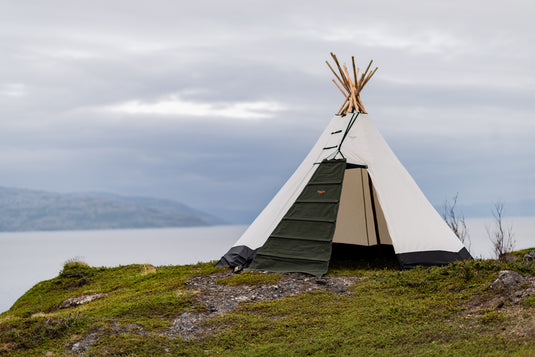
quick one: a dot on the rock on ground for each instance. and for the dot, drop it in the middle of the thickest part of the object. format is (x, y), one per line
(529, 256)
(508, 279)
(80, 300)
(509, 289)
(83, 345)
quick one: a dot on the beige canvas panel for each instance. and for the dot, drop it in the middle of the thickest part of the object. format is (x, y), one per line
(354, 223)
(384, 236)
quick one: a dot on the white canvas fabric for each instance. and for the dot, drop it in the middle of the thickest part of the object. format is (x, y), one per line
(413, 223)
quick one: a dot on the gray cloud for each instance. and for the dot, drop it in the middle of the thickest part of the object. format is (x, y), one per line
(453, 96)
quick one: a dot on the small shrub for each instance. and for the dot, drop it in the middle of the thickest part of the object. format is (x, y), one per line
(502, 235)
(76, 274)
(31, 333)
(456, 221)
(492, 317)
(530, 300)
(466, 273)
(148, 269)
(74, 262)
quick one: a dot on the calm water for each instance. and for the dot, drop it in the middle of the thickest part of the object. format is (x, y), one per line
(29, 257)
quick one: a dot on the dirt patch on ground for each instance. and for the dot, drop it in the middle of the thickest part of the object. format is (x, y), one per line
(504, 299)
(83, 344)
(220, 299)
(510, 288)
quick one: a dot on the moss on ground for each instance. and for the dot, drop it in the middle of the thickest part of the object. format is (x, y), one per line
(415, 312)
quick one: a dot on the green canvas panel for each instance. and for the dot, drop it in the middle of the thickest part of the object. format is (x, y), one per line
(304, 229)
(329, 171)
(297, 248)
(281, 265)
(302, 241)
(320, 193)
(310, 211)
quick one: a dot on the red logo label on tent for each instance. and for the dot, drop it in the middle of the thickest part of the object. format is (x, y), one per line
(321, 191)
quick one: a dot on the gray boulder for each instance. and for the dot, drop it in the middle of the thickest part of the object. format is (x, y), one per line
(507, 279)
(80, 300)
(529, 257)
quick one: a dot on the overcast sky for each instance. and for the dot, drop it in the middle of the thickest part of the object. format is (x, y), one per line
(215, 104)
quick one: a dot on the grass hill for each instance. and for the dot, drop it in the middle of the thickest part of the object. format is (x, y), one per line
(194, 310)
(30, 210)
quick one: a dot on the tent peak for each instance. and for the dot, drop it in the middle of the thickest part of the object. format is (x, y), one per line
(351, 87)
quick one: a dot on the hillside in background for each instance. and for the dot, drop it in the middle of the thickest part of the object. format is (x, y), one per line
(30, 210)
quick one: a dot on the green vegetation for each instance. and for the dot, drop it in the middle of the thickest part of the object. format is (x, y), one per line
(442, 311)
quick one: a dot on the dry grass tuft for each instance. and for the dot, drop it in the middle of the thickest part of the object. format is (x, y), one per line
(7, 318)
(8, 347)
(42, 314)
(148, 269)
(75, 262)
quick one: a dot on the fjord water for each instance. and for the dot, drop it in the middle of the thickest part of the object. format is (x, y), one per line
(29, 257)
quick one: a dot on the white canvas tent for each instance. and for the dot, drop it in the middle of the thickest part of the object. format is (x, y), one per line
(350, 189)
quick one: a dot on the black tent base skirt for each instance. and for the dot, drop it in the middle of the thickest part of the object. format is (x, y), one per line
(431, 258)
(238, 256)
(377, 256)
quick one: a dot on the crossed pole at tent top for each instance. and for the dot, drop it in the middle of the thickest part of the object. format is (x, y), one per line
(351, 87)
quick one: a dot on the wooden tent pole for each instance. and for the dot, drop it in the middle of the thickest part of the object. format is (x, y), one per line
(348, 106)
(341, 72)
(369, 76)
(355, 72)
(342, 107)
(361, 106)
(341, 90)
(366, 71)
(342, 82)
(353, 96)
(350, 87)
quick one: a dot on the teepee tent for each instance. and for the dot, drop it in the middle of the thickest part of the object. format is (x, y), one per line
(351, 189)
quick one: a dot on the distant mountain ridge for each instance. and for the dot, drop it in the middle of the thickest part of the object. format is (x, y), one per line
(33, 210)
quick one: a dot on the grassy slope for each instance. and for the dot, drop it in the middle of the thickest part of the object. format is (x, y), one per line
(418, 312)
